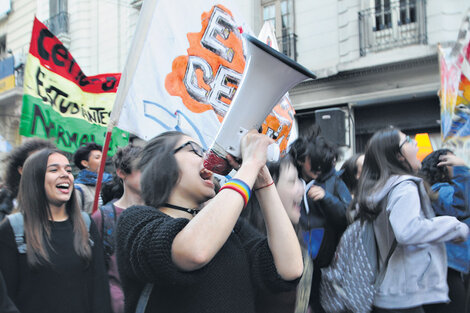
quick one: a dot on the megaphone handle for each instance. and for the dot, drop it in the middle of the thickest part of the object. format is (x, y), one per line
(273, 153)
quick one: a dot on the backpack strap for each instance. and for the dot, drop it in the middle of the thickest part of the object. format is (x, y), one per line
(17, 223)
(82, 196)
(87, 219)
(144, 298)
(108, 223)
(381, 274)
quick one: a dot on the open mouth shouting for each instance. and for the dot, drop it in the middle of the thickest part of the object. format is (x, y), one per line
(206, 175)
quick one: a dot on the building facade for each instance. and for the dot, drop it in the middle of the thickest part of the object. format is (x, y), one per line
(376, 62)
(98, 33)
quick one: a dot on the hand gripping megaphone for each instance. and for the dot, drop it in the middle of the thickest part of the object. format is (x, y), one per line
(268, 76)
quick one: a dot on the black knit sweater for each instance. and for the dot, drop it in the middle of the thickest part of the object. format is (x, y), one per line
(226, 284)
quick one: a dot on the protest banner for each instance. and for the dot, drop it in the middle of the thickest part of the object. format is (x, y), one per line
(183, 76)
(60, 101)
(454, 95)
(279, 122)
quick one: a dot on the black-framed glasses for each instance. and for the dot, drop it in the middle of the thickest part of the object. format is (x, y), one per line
(197, 149)
(407, 139)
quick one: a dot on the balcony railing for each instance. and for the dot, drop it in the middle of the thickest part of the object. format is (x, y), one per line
(288, 43)
(399, 24)
(58, 24)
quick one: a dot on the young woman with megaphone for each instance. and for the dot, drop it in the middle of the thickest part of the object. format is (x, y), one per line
(204, 260)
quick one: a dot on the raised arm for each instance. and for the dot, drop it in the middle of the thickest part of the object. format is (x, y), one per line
(201, 239)
(282, 240)
(411, 227)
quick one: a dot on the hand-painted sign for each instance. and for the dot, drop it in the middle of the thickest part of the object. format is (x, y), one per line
(188, 73)
(60, 101)
(455, 91)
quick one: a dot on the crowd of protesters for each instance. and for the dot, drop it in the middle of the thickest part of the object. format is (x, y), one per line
(166, 237)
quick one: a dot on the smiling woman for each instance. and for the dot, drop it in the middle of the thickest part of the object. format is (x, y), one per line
(60, 269)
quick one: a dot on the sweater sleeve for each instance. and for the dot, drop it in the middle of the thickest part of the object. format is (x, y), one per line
(409, 224)
(101, 301)
(454, 198)
(144, 240)
(263, 270)
(334, 206)
(9, 258)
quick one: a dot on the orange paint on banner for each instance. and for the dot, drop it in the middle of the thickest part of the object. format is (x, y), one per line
(278, 124)
(205, 80)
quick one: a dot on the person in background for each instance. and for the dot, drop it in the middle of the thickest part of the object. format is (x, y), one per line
(14, 167)
(203, 260)
(112, 189)
(106, 217)
(323, 214)
(290, 190)
(392, 197)
(88, 159)
(449, 177)
(59, 267)
(351, 171)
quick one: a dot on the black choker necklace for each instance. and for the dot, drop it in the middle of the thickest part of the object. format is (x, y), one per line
(172, 206)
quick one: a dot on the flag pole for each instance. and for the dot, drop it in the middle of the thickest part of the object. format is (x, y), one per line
(101, 170)
(145, 18)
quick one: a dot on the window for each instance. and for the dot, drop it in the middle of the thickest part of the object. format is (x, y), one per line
(57, 6)
(58, 22)
(383, 15)
(407, 12)
(390, 24)
(285, 17)
(3, 45)
(280, 14)
(269, 14)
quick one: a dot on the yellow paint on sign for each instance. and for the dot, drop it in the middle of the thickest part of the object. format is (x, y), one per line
(424, 145)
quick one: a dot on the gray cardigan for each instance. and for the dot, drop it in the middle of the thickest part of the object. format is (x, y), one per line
(417, 270)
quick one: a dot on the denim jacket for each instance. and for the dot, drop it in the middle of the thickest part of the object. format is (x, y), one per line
(454, 200)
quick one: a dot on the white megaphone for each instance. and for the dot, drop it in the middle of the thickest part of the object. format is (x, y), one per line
(267, 77)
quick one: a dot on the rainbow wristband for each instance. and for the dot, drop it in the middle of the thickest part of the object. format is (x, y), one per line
(239, 186)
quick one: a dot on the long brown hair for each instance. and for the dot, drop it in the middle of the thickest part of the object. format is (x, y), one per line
(380, 163)
(34, 205)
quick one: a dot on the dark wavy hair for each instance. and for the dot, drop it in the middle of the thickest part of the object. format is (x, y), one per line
(433, 173)
(159, 168)
(349, 172)
(125, 159)
(16, 159)
(33, 203)
(298, 153)
(318, 149)
(323, 154)
(380, 162)
(83, 153)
